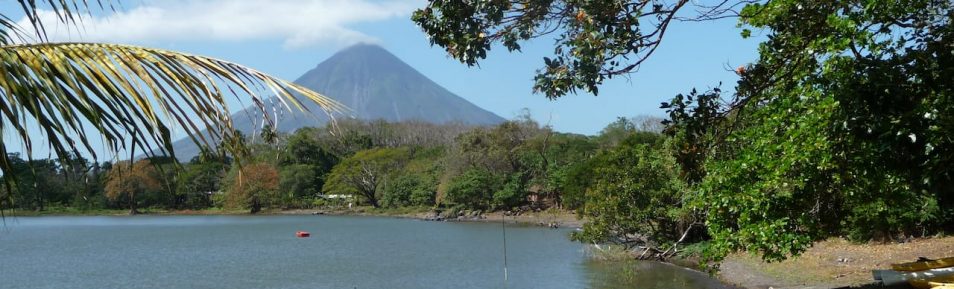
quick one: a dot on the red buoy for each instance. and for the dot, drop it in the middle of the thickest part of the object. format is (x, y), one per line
(302, 234)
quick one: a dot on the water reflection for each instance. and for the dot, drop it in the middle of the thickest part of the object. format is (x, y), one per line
(645, 274)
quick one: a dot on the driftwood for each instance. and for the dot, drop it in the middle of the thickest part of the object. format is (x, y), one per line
(654, 253)
(683, 238)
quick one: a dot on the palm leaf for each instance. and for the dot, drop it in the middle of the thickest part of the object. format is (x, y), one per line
(68, 12)
(128, 94)
(125, 94)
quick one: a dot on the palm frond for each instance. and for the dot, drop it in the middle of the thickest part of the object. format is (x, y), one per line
(127, 94)
(68, 12)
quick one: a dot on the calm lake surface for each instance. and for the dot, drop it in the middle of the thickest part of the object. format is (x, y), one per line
(343, 252)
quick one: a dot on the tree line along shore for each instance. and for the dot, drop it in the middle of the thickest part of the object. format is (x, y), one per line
(517, 166)
(630, 182)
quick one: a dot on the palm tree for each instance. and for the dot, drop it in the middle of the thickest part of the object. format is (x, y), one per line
(129, 96)
(122, 94)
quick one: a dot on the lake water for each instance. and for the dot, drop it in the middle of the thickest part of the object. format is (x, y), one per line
(343, 252)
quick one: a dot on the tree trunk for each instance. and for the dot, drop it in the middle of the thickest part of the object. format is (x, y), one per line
(132, 204)
(373, 201)
(255, 206)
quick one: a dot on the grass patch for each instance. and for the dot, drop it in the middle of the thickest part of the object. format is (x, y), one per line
(692, 250)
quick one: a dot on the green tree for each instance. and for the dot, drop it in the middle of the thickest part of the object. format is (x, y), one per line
(304, 166)
(364, 173)
(35, 183)
(574, 180)
(512, 193)
(836, 128)
(694, 121)
(407, 190)
(300, 184)
(416, 183)
(303, 148)
(615, 132)
(635, 198)
(555, 172)
(269, 135)
(201, 179)
(473, 189)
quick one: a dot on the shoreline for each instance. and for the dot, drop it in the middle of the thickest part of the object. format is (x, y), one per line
(550, 218)
(559, 218)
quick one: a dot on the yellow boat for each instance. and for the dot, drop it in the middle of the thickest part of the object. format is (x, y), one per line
(924, 265)
(936, 283)
(945, 282)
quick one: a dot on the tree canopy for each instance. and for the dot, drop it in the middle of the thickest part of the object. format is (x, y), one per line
(594, 39)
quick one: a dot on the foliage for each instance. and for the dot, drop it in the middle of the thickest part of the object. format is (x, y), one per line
(299, 183)
(303, 148)
(407, 190)
(36, 182)
(199, 180)
(129, 181)
(559, 155)
(837, 128)
(841, 127)
(363, 173)
(474, 188)
(512, 193)
(304, 165)
(574, 182)
(636, 196)
(421, 175)
(253, 186)
(595, 39)
(693, 121)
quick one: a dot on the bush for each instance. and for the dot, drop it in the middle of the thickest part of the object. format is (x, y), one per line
(423, 197)
(301, 181)
(254, 187)
(636, 192)
(407, 190)
(512, 194)
(398, 192)
(473, 189)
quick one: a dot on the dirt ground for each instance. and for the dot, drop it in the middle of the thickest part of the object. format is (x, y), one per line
(833, 263)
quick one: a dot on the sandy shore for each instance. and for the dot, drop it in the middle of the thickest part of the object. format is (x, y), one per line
(834, 263)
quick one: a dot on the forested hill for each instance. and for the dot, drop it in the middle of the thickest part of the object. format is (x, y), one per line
(374, 84)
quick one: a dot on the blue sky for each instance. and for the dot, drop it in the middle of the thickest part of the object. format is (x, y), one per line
(288, 37)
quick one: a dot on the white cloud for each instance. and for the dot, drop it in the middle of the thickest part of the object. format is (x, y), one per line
(298, 23)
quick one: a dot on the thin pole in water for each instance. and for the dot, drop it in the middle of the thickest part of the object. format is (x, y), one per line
(503, 227)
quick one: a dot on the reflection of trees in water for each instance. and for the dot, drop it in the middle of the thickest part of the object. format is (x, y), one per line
(645, 274)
